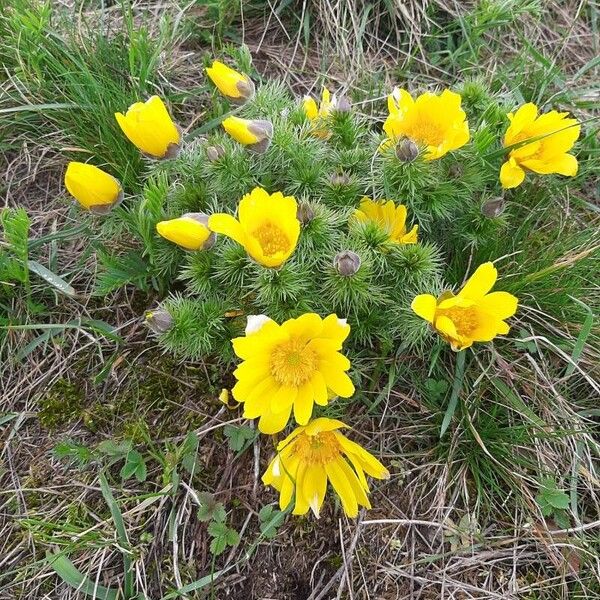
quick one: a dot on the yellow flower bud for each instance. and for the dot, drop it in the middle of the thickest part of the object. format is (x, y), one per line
(255, 135)
(149, 126)
(236, 87)
(189, 231)
(93, 188)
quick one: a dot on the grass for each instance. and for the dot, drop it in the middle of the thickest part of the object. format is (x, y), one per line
(102, 484)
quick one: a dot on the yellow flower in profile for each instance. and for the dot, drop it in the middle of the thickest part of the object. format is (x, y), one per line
(388, 217)
(318, 114)
(93, 188)
(315, 454)
(189, 231)
(235, 86)
(552, 135)
(292, 365)
(268, 227)
(149, 126)
(436, 122)
(255, 135)
(473, 315)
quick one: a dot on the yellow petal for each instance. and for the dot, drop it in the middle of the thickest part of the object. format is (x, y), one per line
(337, 380)
(511, 174)
(501, 305)
(149, 126)
(310, 108)
(303, 404)
(185, 232)
(480, 283)
(314, 486)
(563, 164)
(227, 79)
(239, 130)
(523, 118)
(424, 305)
(342, 487)
(274, 422)
(91, 186)
(227, 225)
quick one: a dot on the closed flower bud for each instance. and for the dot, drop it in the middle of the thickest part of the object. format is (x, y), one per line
(236, 87)
(494, 207)
(149, 126)
(93, 188)
(406, 150)
(254, 134)
(339, 179)
(306, 213)
(214, 153)
(189, 231)
(343, 105)
(159, 320)
(455, 171)
(346, 263)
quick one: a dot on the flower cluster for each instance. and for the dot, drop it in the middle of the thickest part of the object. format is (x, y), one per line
(258, 252)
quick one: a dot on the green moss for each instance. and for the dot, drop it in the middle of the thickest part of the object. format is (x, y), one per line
(62, 404)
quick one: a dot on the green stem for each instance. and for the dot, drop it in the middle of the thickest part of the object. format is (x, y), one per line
(456, 387)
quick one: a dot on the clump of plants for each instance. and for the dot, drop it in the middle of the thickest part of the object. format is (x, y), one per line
(303, 243)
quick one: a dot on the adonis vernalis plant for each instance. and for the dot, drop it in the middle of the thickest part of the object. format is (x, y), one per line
(311, 244)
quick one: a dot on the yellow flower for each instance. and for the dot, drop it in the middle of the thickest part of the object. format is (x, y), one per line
(318, 114)
(436, 122)
(92, 187)
(268, 227)
(256, 135)
(473, 315)
(149, 126)
(315, 454)
(235, 86)
(388, 217)
(189, 231)
(292, 365)
(552, 135)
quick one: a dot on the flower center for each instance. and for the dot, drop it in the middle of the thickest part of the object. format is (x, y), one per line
(292, 363)
(464, 318)
(271, 239)
(426, 132)
(320, 449)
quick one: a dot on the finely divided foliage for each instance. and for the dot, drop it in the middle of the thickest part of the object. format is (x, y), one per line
(334, 253)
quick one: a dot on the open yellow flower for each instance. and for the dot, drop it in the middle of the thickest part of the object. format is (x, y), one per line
(318, 114)
(268, 227)
(292, 365)
(93, 188)
(255, 135)
(388, 217)
(315, 454)
(473, 315)
(552, 135)
(189, 231)
(149, 126)
(436, 122)
(235, 86)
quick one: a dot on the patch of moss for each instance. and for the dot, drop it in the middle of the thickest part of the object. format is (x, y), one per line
(62, 404)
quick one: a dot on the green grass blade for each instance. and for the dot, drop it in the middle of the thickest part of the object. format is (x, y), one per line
(52, 278)
(69, 573)
(122, 537)
(586, 329)
(456, 387)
